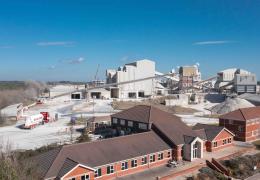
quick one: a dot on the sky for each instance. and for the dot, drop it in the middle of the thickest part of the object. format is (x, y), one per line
(52, 40)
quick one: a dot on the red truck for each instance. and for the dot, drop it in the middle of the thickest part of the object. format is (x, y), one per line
(46, 116)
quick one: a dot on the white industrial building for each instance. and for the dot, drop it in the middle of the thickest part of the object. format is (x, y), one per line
(134, 71)
(237, 80)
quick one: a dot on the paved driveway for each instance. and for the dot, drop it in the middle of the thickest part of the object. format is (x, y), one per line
(255, 177)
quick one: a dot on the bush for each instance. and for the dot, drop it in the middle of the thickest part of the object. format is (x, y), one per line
(242, 167)
(207, 173)
(11, 168)
(84, 137)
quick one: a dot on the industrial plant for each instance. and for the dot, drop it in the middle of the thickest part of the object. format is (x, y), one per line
(137, 119)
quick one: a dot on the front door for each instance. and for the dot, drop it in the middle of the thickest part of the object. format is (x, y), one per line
(195, 150)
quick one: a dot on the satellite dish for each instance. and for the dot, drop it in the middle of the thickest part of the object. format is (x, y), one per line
(198, 64)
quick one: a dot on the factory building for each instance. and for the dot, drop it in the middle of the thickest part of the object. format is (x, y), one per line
(188, 75)
(245, 83)
(236, 80)
(130, 72)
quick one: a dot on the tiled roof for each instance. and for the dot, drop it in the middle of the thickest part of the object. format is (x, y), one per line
(45, 160)
(68, 165)
(243, 114)
(94, 154)
(168, 124)
(139, 113)
(211, 131)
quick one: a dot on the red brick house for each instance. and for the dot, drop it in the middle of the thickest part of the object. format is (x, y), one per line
(105, 159)
(244, 123)
(170, 128)
(215, 137)
(162, 137)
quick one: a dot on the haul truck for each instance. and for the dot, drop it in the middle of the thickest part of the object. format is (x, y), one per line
(34, 120)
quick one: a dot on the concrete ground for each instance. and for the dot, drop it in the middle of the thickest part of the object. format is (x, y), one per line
(54, 132)
(163, 171)
(254, 177)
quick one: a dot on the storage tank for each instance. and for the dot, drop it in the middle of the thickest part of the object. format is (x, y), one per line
(33, 121)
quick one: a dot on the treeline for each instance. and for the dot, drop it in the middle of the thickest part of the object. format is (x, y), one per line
(19, 92)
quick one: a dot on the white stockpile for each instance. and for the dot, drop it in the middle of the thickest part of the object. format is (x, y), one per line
(230, 104)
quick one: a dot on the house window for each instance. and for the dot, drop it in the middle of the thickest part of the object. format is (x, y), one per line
(130, 123)
(98, 172)
(124, 165)
(152, 158)
(240, 128)
(215, 144)
(224, 141)
(255, 132)
(229, 140)
(230, 121)
(110, 169)
(169, 154)
(114, 120)
(134, 163)
(144, 160)
(122, 122)
(85, 177)
(160, 156)
(142, 126)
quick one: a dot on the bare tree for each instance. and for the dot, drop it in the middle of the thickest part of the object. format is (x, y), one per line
(30, 91)
(11, 168)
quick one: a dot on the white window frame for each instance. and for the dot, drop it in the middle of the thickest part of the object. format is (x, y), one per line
(135, 163)
(215, 144)
(130, 122)
(169, 153)
(84, 175)
(160, 156)
(142, 126)
(152, 158)
(112, 169)
(122, 122)
(96, 172)
(144, 160)
(114, 120)
(224, 141)
(123, 165)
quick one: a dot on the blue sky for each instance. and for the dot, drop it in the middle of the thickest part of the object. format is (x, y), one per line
(67, 39)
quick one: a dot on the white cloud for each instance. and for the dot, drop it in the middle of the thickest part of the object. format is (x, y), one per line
(124, 59)
(6, 47)
(52, 67)
(213, 42)
(77, 61)
(56, 43)
(73, 61)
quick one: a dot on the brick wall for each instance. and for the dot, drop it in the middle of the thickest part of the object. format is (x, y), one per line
(236, 127)
(243, 131)
(219, 139)
(117, 168)
(78, 172)
(176, 153)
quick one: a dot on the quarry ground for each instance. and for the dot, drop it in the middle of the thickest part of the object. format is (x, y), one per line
(60, 132)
